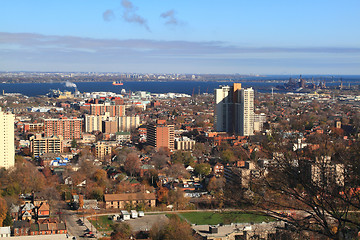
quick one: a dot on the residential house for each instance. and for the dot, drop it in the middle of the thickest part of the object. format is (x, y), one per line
(21, 228)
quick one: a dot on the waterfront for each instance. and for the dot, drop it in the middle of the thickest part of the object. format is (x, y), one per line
(188, 87)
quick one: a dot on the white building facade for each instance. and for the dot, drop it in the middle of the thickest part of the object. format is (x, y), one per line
(7, 148)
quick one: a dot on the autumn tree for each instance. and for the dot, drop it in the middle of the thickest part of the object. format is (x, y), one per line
(132, 164)
(3, 210)
(175, 229)
(27, 177)
(178, 199)
(216, 184)
(160, 160)
(100, 178)
(178, 170)
(121, 231)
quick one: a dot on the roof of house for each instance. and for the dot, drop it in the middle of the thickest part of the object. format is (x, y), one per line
(61, 226)
(43, 227)
(44, 207)
(14, 208)
(129, 196)
(21, 224)
(27, 207)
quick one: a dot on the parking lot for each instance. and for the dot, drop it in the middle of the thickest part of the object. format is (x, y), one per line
(146, 222)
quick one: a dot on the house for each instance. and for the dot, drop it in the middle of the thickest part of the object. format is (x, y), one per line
(43, 211)
(47, 227)
(21, 228)
(120, 200)
(14, 211)
(27, 211)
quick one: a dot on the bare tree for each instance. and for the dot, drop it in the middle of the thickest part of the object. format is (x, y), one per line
(313, 189)
(132, 164)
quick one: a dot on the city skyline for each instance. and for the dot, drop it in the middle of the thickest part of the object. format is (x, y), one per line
(261, 37)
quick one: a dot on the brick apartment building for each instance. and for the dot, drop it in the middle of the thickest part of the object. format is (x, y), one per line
(67, 128)
(161, 136)
(112, 109)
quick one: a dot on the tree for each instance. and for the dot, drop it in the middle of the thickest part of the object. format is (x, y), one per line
(227, 155)
(203, 169)
(216, 184)
(132, 164)
(321, 185)
(74, 143)
(160, 160)
(96, 193)
(178, 170)
(3, 211)
(183, 157)
(175, 229)
(177, 198)
(8, 220)
(121, 231)
(100, 177)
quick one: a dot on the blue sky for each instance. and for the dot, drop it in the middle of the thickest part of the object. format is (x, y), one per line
(181, 36)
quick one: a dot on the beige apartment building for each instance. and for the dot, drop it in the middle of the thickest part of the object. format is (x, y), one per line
(94, 122)
(126, 123)
(41, 145)
(103, 149)
(7, 148)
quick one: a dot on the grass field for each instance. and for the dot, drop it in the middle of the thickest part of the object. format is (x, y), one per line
(214, 218)
(102, 223)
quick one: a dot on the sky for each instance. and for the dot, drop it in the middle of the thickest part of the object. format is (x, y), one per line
(181, 36)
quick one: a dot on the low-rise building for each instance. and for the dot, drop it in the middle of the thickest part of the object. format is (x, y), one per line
(184, 143)
(122, 137)
(236, 231)
(40, 145)
(103, 148)
(122, 199)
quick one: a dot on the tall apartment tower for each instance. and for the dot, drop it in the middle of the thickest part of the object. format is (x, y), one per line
(126, 123)
(234, 110)
(160, 136)
(7, 149)
(94, 122)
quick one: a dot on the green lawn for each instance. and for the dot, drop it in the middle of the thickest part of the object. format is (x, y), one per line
(102, 223)
(214, 218)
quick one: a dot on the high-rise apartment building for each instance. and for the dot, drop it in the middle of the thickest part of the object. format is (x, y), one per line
(161, 136)
(67, 128)
(126, 123)
(94, 122)
(7, 148)
(234, 110)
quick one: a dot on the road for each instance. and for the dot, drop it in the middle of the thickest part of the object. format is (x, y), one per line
(77, 225)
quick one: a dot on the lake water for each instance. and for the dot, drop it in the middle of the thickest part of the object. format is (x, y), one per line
(188, 87)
